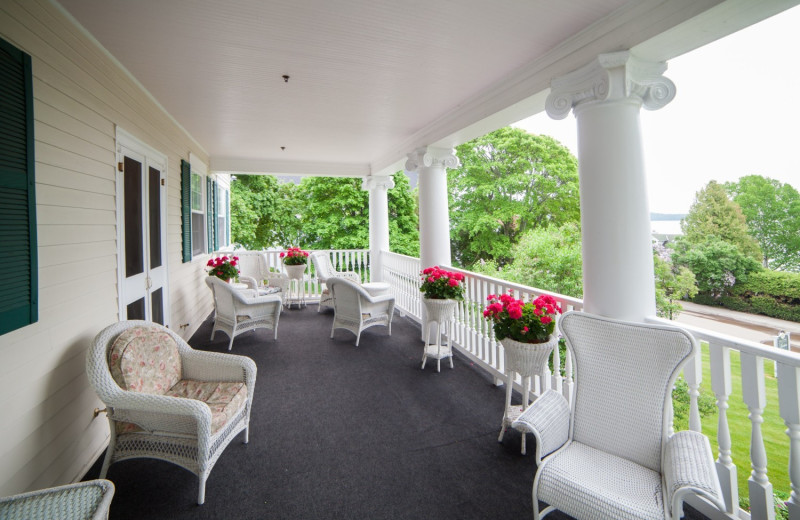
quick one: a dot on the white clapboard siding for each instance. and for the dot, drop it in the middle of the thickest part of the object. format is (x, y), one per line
(81, 96)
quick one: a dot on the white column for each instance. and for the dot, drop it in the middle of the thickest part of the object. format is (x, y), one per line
(606, 96)
(378, 222)
(434, 219)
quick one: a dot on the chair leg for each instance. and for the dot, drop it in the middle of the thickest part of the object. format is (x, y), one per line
(201, 494)
(523, 442)
(502, 431)
(358, 337)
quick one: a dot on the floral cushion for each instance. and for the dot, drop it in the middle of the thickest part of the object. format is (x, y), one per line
(144, 359)
(225, 399)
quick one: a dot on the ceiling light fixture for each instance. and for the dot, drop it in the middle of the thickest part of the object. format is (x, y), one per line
(285, 78)
(283, 148)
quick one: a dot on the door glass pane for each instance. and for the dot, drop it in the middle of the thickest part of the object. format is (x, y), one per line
(154, 196)
(134, 244)
(157, 306)
(136, 310)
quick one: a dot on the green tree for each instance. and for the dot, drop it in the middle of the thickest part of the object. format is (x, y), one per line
(403, 217)
(772, 211)
(263, 212)
(509, 182)
(672, 283)
(716, 264)
(335, 214)
(546, 258)
(714, 214)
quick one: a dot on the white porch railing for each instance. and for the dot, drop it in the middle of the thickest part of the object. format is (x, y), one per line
(474, 338)
(357, 260)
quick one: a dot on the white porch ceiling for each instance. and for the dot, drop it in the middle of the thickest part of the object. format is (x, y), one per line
(370, 80)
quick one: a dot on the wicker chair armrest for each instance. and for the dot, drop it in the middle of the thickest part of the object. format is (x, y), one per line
(90, 500)
(200, 365)
(245, 298)
(380, 299)
(548, 420)
(249, 281)
(348, 275)
(155, 412)
(688, 468)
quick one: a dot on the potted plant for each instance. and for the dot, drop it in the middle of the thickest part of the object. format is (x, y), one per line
(442, 290)
(295, 261)
(223, 267)
(524, 328)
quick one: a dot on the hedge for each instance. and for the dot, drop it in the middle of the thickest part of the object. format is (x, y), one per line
(771, 293)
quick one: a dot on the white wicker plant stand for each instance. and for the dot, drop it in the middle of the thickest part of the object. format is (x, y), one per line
(297, 289)
(527, 360)
(89, 500)
(442, 314)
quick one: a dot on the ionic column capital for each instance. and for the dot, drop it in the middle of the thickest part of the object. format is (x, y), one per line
(431, 157)
(615, 76)
(384, 182)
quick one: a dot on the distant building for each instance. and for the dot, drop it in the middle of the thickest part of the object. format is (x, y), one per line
(665, 227)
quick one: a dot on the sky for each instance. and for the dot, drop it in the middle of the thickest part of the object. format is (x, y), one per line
(736, 112)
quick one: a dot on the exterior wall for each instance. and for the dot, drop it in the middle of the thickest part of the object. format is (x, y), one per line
(47, 433)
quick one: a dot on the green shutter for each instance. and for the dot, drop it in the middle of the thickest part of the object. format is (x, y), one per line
(19, 293)
(210, 213)
(186, 209)
(216, 210)
(228, 216)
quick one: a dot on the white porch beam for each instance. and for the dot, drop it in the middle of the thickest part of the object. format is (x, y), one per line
(606, 96)
(378, 188)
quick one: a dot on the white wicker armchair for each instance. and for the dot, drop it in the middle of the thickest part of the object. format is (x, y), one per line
(324, 270)
(355, 310)
(167, 401)
(88, 500)
(238, 311)
(612, 455)
(253, 264)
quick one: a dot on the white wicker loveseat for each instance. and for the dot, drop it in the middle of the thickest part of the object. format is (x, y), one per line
(611, 454)
(88, 500)
(355, 309)
(166, 400)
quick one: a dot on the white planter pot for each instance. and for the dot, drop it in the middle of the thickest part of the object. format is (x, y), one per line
(295, 272)
(440, 310)
(528, 358)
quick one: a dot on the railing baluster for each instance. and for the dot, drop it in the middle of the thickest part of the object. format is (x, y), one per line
(721, 384)
(754, 395)
(789, 404)
(693, 373)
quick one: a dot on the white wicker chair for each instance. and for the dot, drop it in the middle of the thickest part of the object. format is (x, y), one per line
(88, 500)
(355, 310)
(238, 311)
(253, 264)
(151, 421)
(323, 268)
(612, 455)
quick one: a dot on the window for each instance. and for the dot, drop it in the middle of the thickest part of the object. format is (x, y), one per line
(198, 216)
(18, 293)
(223, 239)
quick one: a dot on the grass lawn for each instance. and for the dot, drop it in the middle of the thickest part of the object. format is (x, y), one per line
(773, 429)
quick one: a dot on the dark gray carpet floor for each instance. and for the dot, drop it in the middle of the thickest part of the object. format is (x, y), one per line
(345, 432)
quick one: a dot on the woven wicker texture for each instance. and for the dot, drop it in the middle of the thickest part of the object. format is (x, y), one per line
(237, 311)
(610, 466)
(548, 419)
(174, 429)
(590, 484)
(681, 470)
(618, 363)
(355, 310)
(81, 501)
(441, 311)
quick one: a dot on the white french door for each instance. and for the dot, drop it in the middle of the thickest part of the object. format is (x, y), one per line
(141, 231)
